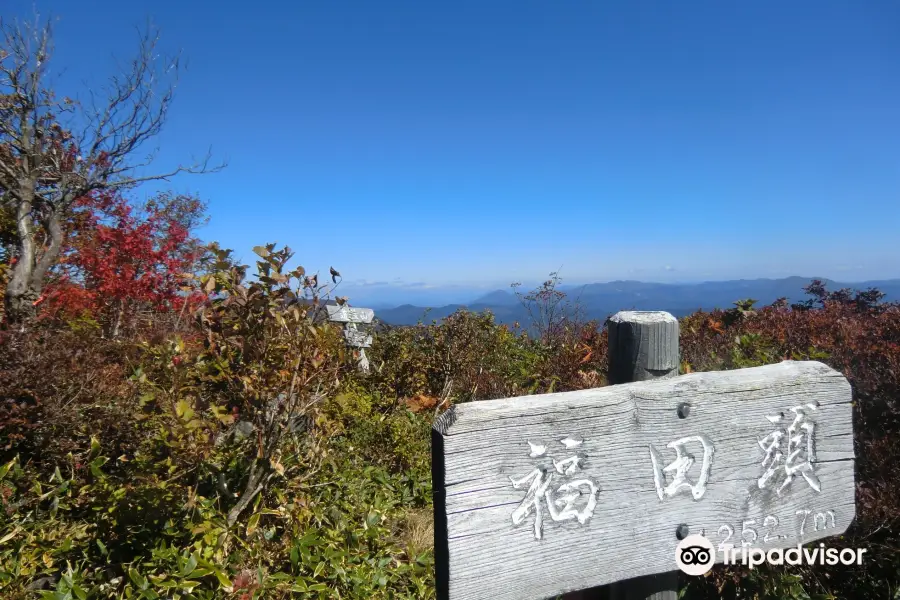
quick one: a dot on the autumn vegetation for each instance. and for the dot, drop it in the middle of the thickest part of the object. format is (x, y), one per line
(174, 424)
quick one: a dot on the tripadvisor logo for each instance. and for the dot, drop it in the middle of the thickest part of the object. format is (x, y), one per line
(695, 555)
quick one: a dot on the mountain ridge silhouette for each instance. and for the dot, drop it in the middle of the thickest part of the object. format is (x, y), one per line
(599, 300)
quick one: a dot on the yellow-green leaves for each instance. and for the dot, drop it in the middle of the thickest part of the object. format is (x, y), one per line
(95, 448)
(10, 535)
(221, 414)
(252, 524)
(183, 410)
(4, 469)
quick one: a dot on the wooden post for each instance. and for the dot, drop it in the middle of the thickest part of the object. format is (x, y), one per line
(353, 336)
(643, 345)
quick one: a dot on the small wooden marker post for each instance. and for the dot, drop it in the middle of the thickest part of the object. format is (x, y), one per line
(353, 336)
(543, 495)
(643, 346)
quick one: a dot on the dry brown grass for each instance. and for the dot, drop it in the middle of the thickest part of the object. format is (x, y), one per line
(415, 531)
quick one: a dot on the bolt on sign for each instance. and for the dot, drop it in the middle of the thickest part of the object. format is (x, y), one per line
(541, 495)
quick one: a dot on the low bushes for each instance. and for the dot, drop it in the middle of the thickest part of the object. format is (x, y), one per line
(242, 456)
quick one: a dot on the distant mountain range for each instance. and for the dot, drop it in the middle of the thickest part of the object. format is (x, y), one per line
(599, 300)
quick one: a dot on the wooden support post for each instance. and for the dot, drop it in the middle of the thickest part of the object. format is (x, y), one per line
(643, 346)
(359, 340)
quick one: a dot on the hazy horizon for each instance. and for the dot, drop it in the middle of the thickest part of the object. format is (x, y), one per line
(387, 295)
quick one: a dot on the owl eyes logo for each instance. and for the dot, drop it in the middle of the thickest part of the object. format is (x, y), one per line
(695, 555)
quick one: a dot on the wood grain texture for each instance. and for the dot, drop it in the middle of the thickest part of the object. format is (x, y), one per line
(642, 345)
(357, 339)
(481, 448)
(346, 314)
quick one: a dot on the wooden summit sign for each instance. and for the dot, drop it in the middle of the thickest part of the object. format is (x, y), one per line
(541, 495)
(352, 336)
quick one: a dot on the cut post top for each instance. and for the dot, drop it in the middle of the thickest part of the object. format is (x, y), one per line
(643, 316)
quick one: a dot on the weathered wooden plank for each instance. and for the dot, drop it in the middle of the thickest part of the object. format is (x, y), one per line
(357, 339)
(347, 314)
(592, 465)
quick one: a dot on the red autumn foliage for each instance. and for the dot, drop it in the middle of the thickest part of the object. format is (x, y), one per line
(123, 258)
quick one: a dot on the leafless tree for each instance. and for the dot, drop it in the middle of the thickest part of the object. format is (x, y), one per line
(545, 307)
(54, 151)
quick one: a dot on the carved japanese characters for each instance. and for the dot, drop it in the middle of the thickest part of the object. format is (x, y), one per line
(573, 499)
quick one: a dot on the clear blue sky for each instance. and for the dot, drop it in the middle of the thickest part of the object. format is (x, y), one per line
(483, 142)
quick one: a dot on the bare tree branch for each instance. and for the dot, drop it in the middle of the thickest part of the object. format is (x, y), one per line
(45, 168)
